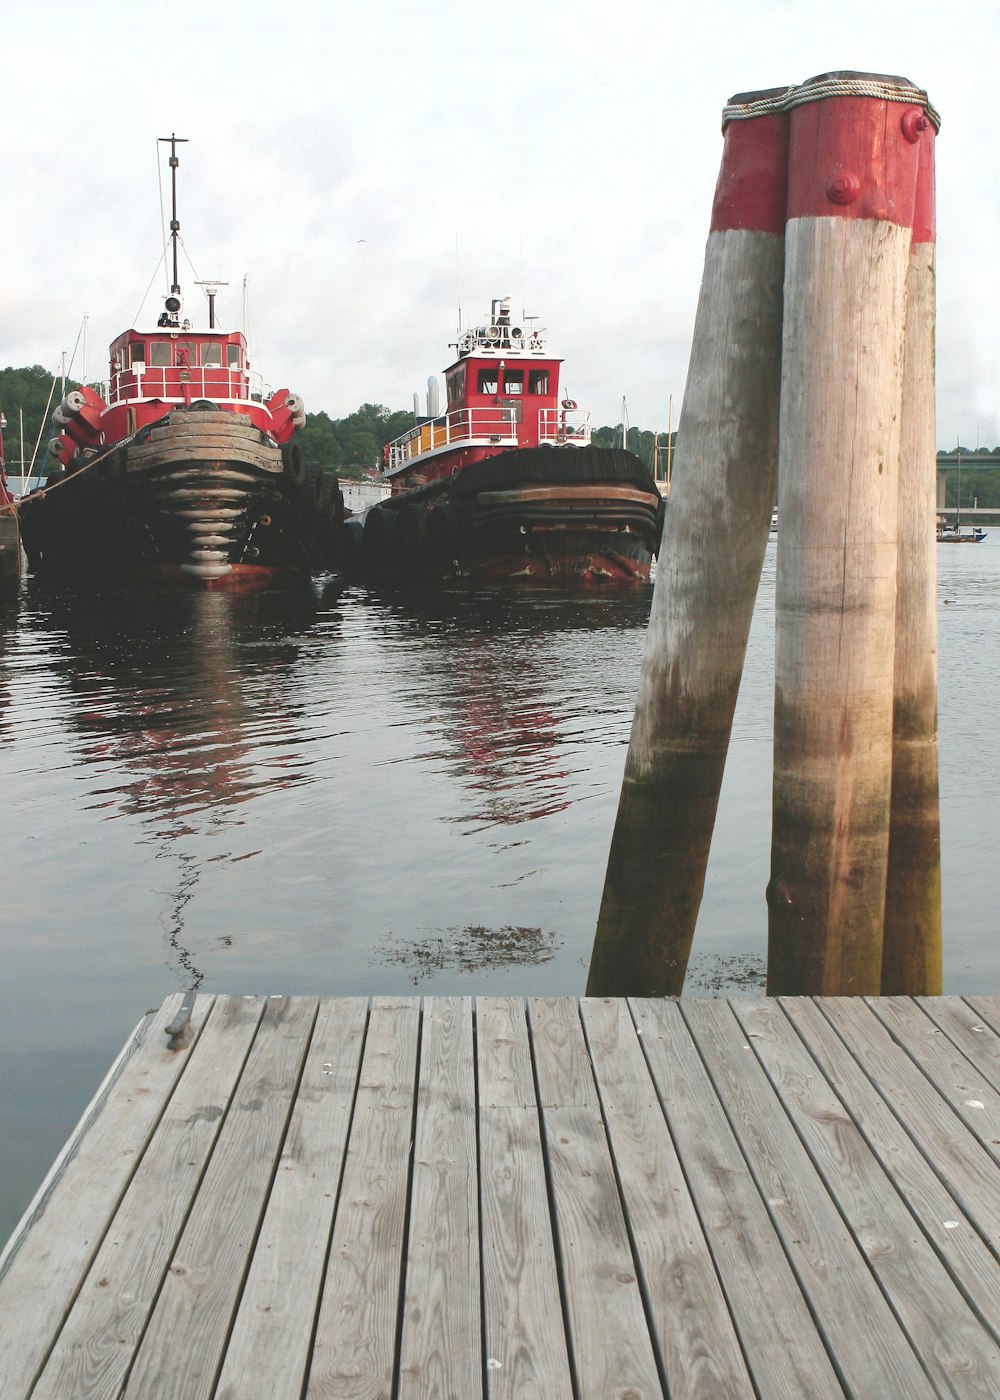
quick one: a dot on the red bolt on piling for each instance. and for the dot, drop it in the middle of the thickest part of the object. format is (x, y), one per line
(714, 540)
(843, 187)
(913, 123)
(838, 501)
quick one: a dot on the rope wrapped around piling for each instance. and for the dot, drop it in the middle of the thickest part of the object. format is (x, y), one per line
(743, 106)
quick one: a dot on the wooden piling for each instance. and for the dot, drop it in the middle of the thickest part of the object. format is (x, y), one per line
(911, 950)
(852, 185)
(714, 539)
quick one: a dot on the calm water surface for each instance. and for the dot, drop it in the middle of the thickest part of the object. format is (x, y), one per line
(330, 790)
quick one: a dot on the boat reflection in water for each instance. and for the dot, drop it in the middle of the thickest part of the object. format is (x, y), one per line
(180, 715)
(522, 733)
(282, 780)
(497, 690)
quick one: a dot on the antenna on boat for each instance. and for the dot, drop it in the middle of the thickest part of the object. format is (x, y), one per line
(521, 257)
(458, 277)
(211, 290)
(173, 302)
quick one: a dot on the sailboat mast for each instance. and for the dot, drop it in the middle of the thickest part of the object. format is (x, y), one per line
(670, 438)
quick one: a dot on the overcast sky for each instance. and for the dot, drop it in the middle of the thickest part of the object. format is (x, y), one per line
(364, 164)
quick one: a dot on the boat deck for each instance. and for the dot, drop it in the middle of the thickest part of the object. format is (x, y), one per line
(506, 1198)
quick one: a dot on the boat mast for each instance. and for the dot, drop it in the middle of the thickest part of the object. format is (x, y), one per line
(175, 227)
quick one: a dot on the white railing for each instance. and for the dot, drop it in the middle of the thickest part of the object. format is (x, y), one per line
(464, 426)
(511, 339)
(564, 425)
(474, 427)
(214, 382)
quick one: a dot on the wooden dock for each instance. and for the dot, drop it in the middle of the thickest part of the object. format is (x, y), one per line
(543, 1200)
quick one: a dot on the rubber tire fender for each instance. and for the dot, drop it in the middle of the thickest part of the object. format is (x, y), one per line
(294, 463)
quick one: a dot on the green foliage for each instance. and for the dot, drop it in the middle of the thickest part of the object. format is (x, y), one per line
(979, 486)
(640, 441)
(24, 394)
(353, 444)
(319, 440)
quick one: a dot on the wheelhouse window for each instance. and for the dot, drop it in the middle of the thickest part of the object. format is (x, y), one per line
(159, 353)
(488, 381)
(233, 356)
(211, 353)
(137, 352)
(456, 386)
(513, 381)
(186, 354)
(538, 381)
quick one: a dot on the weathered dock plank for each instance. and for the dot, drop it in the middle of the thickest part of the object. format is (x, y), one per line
(107, 1321)
(47, 1259)
(277, 1310)
(354, 1352)
(441, 1344)
(862, 1335)
(514, 1198)
(689, 1316)
(183, 1346)
(784, 1351)
(939, 1212)
(968, 1032)
(609, 1334)
(955, 1348)
(527, 1354)
(956, 1078)
(938, 1133)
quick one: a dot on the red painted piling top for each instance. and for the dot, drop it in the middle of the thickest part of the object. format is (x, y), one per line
(854, 147)
(855, 143)
(752, 190)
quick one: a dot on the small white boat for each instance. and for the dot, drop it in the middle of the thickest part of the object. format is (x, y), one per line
(960, 534)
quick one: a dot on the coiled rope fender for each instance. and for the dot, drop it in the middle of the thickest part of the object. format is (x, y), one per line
(745, 105)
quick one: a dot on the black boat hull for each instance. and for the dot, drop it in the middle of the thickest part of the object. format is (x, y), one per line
(202, 493)
(591, 515)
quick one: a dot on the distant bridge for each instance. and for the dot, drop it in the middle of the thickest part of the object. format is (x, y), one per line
(948, 464)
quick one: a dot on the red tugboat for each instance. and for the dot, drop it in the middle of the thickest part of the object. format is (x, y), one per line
(505, 484)
(186, 464)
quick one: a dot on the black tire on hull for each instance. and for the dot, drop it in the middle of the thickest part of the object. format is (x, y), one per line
(294, 463)
(443, 533)
(380, 538)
